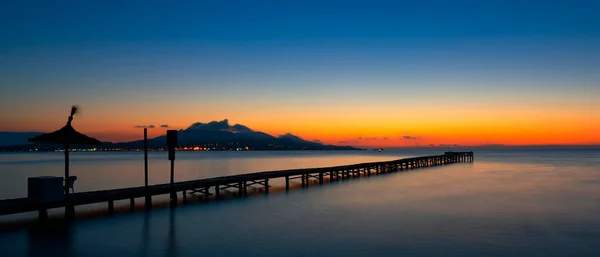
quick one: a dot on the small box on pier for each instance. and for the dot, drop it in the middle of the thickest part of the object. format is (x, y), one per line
(45, 189)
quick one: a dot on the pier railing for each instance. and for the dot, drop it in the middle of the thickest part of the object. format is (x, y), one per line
(214, 187)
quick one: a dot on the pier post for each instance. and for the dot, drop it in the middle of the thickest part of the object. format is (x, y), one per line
(245, 191)
(302, 178)
(266, 186)
(217, 195)
(132, 203)
(148, 203)
(240, 190)
(206, 193)
(69, 211)
(43, 214)
(111, 207)
(287, 183)
(321, 178)
(173, 193)
(307, 178)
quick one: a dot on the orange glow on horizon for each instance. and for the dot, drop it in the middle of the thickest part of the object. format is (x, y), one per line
(368, 126)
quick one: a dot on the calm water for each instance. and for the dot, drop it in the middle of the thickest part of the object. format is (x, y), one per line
(506, 203)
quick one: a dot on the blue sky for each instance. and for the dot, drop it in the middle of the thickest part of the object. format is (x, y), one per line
(292, 53)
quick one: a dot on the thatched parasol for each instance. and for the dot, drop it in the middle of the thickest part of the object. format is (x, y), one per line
(66, 136)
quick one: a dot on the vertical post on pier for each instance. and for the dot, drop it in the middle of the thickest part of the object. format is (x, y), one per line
(43, 214)
(206, 193)
(240, 191)
(307, 179)
(111, 207)
(69, 208)
(302, 178)
(266, 186)
(171, 144)
(287, 183)
(145, 157)
(148, 198)
(173, 193)
(321, 178)
(217, 196)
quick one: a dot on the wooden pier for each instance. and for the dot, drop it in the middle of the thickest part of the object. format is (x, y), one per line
(215, 186)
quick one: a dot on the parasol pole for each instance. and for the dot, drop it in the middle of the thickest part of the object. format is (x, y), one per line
(68, 208)
(66, 169)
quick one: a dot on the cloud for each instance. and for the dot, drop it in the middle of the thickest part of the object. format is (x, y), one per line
(318, 141)
(164, 126)
(448, 145)
(367, 138)
(144, 126)
(372, 138)
(409, 138)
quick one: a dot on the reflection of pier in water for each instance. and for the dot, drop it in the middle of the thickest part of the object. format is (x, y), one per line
(213, 188)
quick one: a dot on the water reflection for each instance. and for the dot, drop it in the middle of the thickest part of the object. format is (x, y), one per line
(487, 208)
(50, 240)
(146, 234)
(172, 247)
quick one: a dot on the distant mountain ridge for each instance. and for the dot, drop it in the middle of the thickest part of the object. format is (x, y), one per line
(221, 135)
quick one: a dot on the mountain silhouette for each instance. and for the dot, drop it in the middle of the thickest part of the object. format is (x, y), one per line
(223, 136)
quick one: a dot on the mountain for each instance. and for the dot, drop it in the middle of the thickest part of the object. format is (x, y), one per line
(221, 135)
(16, 138)
(218, 135)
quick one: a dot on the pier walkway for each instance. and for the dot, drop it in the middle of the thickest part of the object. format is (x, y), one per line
(215, 186)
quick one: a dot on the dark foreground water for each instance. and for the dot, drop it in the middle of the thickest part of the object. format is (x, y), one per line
(506, 203)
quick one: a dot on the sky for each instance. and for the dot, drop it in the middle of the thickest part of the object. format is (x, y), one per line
(362, 73)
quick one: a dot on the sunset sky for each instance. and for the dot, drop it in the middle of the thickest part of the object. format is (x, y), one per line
(370, 73)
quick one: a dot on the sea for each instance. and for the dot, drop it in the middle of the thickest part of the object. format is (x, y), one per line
(517, 202)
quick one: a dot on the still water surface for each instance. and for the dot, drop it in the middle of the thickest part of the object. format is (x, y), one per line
(506, 203)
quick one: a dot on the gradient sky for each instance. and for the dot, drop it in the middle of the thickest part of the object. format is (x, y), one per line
(366, 73)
